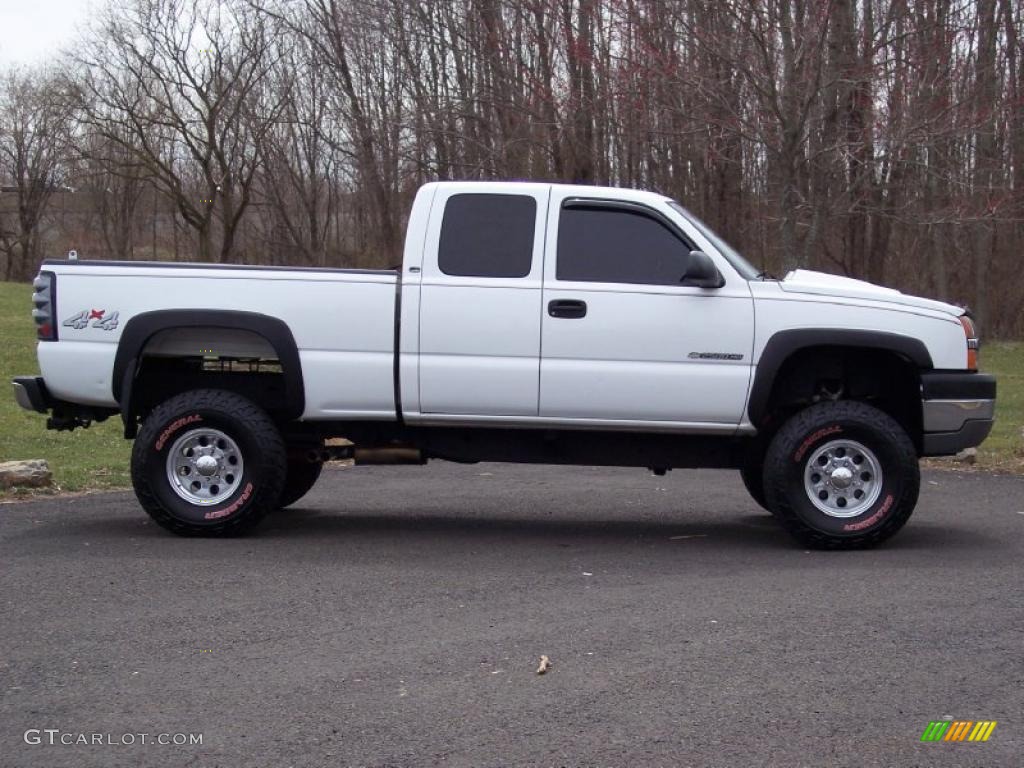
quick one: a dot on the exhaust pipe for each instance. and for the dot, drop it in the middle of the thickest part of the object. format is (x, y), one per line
(363, 456)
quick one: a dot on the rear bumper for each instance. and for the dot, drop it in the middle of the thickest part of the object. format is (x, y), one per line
(31, 394)
(957, 410)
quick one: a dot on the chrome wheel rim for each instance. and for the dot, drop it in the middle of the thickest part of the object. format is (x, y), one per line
(843, 478)
(204, 466)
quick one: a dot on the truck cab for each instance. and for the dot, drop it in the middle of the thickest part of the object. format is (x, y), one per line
(575, 306)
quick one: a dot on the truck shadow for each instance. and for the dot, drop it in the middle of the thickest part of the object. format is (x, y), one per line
(722, 532)
(719, 530)
(309, 523)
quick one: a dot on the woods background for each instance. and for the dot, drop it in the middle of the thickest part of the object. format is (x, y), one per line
(882, 139)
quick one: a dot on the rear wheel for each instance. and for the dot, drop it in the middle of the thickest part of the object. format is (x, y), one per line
(208, 463)
(841, 475)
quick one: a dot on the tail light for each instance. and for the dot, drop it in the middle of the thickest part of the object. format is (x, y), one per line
(971, 332)
(44, 306)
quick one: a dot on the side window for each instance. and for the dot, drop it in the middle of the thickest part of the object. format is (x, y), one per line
(487, 235)
(618, 246)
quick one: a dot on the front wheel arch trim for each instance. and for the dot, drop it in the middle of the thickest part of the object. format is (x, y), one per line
(782, 345)
(141, 328)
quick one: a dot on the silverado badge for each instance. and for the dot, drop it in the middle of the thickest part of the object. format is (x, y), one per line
(715, 356)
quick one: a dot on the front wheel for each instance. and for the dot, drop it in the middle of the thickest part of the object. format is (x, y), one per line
(208, 463)
(841, 475)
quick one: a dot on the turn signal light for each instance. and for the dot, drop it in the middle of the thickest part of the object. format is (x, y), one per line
(971, 332)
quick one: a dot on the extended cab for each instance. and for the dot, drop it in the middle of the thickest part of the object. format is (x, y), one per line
(528, 323)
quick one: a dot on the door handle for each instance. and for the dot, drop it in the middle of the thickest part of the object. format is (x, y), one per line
(567, 308)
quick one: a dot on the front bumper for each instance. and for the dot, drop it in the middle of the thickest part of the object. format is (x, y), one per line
(957, 410)
(31, 394)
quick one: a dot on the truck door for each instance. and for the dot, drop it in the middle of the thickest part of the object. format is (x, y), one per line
(480, 300)
(623, 340)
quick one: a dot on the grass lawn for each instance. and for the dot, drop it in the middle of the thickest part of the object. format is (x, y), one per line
(97, 457)
(1004, 448)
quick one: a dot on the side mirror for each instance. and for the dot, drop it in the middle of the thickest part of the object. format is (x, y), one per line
(702, 272)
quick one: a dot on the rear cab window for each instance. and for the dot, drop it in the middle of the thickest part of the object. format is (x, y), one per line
(487, 235)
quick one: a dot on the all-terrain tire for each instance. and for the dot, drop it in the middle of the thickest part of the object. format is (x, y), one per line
(206, 421)
(300, 478)
(820, 445)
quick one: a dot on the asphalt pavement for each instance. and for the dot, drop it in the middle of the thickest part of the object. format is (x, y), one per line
(397, 615)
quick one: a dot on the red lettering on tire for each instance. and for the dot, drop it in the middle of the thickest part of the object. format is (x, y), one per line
(882, 511)
(806, 444)
(173, 427)
(219, 513)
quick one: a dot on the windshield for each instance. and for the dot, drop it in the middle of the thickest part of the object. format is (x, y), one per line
(741, 265)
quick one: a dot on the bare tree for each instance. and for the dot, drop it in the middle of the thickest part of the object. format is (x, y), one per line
(179, 85)
(114, 180)
(877, 138)
(33, 142)
(300, 156)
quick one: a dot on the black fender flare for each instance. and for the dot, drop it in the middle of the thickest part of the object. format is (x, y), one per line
(141, 328)
(785, 343)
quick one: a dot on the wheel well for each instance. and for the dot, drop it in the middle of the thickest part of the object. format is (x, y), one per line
(176, 360)
(881, 377)
(166, 352)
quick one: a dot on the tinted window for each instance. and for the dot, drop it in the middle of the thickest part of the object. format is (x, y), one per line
(618, 246)
(744, 267)
(487, 235)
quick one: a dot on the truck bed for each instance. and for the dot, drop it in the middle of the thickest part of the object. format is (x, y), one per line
(343, 321)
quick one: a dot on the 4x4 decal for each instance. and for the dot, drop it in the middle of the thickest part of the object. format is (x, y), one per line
(100, 318)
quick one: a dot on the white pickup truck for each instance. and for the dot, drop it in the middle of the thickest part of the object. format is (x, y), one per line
(528, 322)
